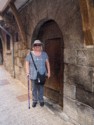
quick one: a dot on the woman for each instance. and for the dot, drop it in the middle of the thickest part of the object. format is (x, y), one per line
(41, 60)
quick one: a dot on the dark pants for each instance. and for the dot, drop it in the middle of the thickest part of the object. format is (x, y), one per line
(37, 92)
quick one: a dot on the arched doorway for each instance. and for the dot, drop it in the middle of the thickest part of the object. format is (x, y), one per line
(50, 34)
(1, 52)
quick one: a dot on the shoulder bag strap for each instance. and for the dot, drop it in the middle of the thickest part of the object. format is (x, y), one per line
(33, 61)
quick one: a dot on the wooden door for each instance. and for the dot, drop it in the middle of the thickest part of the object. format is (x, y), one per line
(53, 86)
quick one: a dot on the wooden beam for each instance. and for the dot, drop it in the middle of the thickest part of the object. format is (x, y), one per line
(19, 22)
(86, 22)
(5, 6)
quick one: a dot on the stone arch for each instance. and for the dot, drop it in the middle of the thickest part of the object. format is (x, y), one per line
(50, 34)
(41, 24)
(37, 28)
(84, 8)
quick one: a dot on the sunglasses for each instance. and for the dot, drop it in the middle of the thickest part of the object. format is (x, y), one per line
(37, 45)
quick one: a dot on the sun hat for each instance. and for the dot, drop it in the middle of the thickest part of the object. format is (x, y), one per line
(37, 42)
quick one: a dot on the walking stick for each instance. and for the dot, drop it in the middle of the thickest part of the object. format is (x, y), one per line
(28, 93)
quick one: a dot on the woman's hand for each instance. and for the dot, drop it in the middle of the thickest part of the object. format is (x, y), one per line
(48, 75)
(28, 74)
(48, 68)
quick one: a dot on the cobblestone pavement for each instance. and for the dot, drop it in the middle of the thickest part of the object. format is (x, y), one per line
(14, 110)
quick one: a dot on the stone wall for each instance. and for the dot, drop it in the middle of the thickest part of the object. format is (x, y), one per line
(79, 88)
(19, 55)
(7, 54)
(78, 99)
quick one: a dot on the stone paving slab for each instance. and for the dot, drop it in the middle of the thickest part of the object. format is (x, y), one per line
(4, 82)
(15, 112)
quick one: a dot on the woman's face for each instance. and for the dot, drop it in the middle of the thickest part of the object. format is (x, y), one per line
(37, 47)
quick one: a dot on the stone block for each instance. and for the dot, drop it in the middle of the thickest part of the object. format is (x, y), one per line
(70, 90)
(16, 70)
(23, 77)
(85, 57)
(42, 10)
(81, 113)
(20, 45)
(16, 47)
(85, 114)
(72, 43)
(89, 112)
(15, 54)
(70, 73)
(70, 108)
(79, 75)
(70, 56)
(82, 61)
(19, 63)
(85, 97)
(85, 77)
(22, 53)
(78, 113)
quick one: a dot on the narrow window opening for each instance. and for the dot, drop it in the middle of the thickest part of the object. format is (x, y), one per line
(16, 37)
(8, 42)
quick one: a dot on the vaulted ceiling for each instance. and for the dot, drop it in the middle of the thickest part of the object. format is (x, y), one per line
(18, 4)
(86, 8)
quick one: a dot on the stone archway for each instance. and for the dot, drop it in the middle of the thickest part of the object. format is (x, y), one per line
(49, 33)
(1, 52)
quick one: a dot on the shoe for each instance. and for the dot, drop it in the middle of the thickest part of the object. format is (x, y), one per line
(34, 104)
(41, 104)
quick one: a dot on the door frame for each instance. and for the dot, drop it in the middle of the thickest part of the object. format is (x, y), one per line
(35, 36)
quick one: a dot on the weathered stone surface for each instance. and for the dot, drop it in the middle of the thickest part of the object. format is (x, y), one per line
(70, 73)
(85, 77)
(8, 63)
(79, 75)
(85, 57)
(85, 97)
(15, 47)
(70, 56)
(19, 63)
(16, 71)
(80, 113)
(22, 53)
(89, 112)
(70, 108)
(70, 90)
(85, 114)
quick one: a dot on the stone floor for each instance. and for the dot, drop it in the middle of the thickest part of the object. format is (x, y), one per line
(14, 105)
